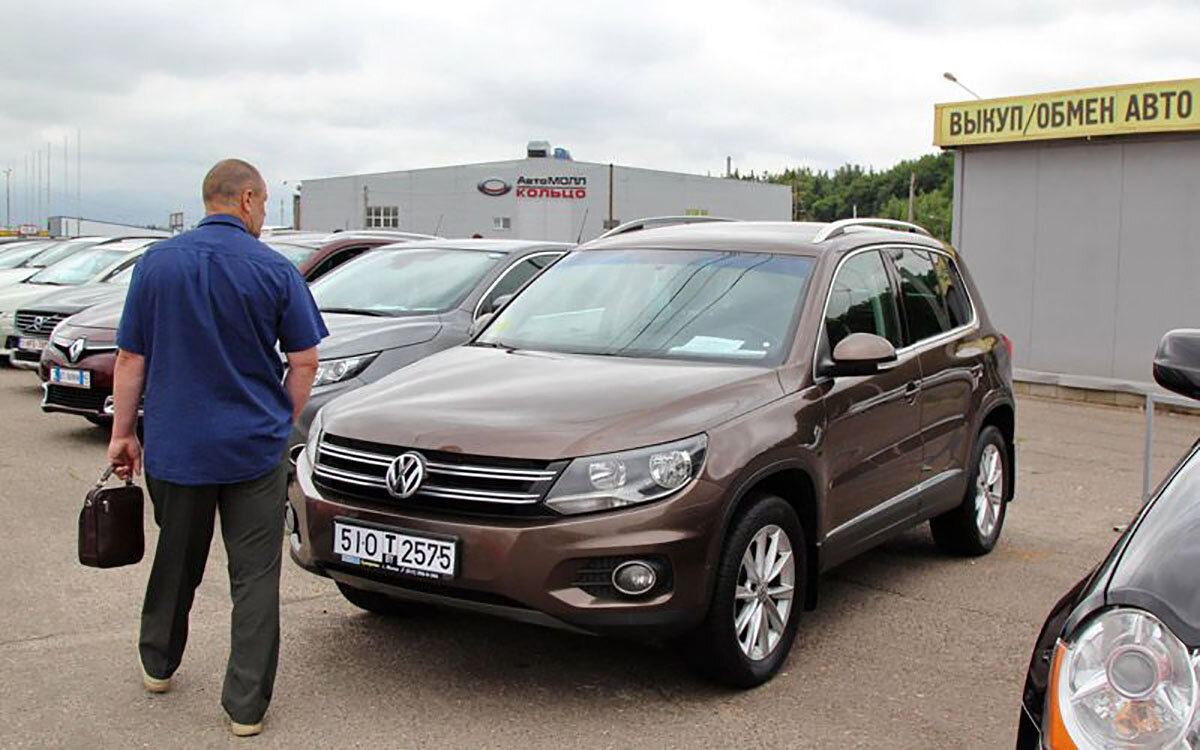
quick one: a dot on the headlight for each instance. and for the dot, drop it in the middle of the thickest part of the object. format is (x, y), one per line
(314, 437)
(7, 319)
(1125, 681)
(332, 371)
(615, 480)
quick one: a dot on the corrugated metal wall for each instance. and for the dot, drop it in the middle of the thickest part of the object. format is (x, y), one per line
(1086, 252)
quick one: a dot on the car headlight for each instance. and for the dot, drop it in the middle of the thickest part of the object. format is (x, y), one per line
(332, 371)
(7, 320)
(314, 437)
(1125, 681)
(615, 480)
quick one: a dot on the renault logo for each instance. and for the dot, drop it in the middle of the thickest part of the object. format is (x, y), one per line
(405, 475)
(76, 349)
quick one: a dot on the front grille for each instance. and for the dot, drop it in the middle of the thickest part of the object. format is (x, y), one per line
(65, 350)
(38, 322)
(455, 483)
(89, 399)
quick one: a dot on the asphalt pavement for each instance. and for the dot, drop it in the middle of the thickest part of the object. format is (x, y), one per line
(907, 648)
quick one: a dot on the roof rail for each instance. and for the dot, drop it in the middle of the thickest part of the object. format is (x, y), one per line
(653, 222)
(837, 228)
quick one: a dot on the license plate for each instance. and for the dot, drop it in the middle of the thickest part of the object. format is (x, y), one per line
(27, 344)
(73, 378)
(395, 550)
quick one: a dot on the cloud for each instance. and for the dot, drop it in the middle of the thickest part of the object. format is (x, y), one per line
(307, 89)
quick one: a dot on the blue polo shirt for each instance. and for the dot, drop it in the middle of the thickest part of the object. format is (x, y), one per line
(206, 309)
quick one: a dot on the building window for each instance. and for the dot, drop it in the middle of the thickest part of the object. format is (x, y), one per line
(383, 217)
(501, 222)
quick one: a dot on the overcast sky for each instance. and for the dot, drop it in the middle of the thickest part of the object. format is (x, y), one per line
(308, 89)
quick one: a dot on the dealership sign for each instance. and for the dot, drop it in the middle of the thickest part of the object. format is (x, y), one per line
(1110, 110)
(562, 187)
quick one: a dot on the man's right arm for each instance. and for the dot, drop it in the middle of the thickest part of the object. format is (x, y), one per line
(302, 368)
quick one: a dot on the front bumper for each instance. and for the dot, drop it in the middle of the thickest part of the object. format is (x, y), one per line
(528, 568)
(94, 402)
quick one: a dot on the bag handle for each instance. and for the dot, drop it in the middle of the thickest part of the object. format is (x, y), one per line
(108, 473)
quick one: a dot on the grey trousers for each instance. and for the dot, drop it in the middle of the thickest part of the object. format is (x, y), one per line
(252, 527)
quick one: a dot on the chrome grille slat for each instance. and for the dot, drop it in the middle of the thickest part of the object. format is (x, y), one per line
(495, 495)
(349, 476)
(480, 472)
(369, 458)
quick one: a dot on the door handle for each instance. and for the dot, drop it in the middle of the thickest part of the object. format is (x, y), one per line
(911, 390)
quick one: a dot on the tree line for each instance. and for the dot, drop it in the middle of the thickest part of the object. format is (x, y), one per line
(851, 190)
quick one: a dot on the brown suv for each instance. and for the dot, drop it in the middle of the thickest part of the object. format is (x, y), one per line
(673, 432)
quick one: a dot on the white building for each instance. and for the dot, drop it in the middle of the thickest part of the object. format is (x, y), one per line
(540, 197)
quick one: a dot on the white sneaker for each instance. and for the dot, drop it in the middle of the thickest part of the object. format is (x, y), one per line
(153, 684)
(245, 730)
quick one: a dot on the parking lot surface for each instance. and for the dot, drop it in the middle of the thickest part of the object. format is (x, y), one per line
(907, 648)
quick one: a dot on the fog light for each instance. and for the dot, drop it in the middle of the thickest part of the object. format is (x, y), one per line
(294, 453)
(634, 578)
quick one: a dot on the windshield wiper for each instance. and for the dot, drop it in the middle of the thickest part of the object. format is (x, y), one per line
(355, 311)
(493, 345)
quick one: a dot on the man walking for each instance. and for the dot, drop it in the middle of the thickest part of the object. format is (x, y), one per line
(204, 314)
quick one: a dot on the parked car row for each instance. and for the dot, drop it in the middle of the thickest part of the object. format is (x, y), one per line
(672, 431)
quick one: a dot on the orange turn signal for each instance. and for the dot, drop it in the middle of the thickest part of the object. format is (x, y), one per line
(1054, 732)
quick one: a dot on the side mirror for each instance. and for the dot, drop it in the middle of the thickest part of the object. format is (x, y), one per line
(480, 323)
(859, 354)
(1177, 362)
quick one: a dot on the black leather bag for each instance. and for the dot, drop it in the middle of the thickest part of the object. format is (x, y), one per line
(110, 525)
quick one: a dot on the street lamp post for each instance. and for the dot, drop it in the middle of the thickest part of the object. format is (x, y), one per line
(952, 79)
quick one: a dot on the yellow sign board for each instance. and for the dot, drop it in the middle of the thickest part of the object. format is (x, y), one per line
(1083, 113)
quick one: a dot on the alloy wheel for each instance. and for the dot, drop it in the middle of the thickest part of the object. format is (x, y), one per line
(763, 596)
(989, 490)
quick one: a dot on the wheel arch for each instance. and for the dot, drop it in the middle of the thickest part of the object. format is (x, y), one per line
(1003, 417)
(794, 483)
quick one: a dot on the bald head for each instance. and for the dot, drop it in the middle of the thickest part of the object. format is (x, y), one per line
(235, 187)
(228, 179)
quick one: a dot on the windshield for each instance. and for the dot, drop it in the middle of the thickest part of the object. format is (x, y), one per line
(79, 268)
(297, 254)
(408, 281)
(682, 304)
(60, 250)
(12, 257)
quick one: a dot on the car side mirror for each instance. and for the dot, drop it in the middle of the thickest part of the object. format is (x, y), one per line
(480, 323)
(859, 354)
(1177, 362)
(498, 304)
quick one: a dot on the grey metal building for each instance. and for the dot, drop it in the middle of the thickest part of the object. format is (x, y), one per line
(540, 197)
(1080, 218)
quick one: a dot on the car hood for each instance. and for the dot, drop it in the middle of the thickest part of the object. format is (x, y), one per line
(362, 334)
(16, 296)
(102, 315)
(15, 275)
(1158, 568)
(546, 406)
(72, 299)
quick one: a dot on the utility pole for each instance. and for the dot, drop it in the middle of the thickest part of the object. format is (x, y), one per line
(366, 208)
(7, 198)
(912, 188)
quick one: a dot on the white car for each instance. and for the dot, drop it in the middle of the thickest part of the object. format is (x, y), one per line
(98, 263)
(27, 258)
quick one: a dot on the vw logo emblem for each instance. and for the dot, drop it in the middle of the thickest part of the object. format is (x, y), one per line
(76, 349)
(494, 186)
(38, 322)
(405, 475)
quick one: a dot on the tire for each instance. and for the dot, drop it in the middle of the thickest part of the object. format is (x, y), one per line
(372, 601)
(970, 529)
(714, 648)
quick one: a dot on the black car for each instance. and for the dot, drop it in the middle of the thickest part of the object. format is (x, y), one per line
(1117, 663)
